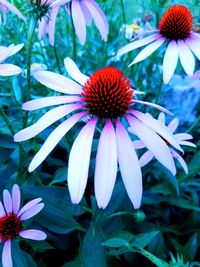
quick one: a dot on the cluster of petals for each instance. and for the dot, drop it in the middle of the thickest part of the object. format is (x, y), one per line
(13, 216)
(181, 138)
(183, 49)
(5, 6)
(115, 145)
(82, 13)
(5, 52)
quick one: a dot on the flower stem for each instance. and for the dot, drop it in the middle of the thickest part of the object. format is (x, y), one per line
(57, 59)
(73, 40)
(194, 124)
(123, 11)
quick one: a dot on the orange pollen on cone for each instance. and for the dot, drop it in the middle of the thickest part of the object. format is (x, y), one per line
(108, 93)
(176, 23)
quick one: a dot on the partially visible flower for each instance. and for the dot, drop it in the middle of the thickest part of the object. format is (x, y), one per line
(131, 31)
(83, 12)
(5, 6)
(106, 97)
(12, 219)
(35, 67)
(5, 52)
(181, 138)
(175, 28)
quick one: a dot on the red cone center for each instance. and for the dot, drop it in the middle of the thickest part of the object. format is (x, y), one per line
(10, 226)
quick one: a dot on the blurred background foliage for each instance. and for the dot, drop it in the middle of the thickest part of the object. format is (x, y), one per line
(165, 231)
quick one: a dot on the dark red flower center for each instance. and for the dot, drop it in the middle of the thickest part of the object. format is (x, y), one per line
(176, 23)
(107, 93)
(10, 226)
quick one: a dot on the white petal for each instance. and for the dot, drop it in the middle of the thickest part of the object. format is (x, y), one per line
(29, 205)
(33, 234)
(74, 71)
(153, 142)
(173, 125)
(79, 21)
(161, 117)
(186, 143)
(147, 51)
(136, 44)
(9, 70)
(53, 139)
(57, 82)
(15, 49)
(79, 160)
(153, 105)
(129, 165)
(5, 52)
(45, 121)
(170, 61)
(186, 57)
(106, 165)
(16, 197)
(193, 43)
(2, 211)
(146, 158)
(6, 254)
(7, 200)
(180, 159)
(31, 212)
(138, 144)
(183, 136)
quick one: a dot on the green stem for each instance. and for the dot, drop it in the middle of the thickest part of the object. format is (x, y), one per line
(5, 119)
(73, 40)
(57, 59)
(123, 11)
(194, 124)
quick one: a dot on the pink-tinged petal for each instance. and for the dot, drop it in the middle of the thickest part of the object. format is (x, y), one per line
(136, 44)
(193, 43)
(2, 211)
(52, 23)
(186, 57)
(170, 61)
(147, 51)
(9, 70)
(33, 234)
(129, 165)
(45, 121)
(7, 201)
(15, 49)
(183, 136)
(153, 142)
(196, 34)
(16, 197)
(186, 143)
(157, 127)
(42, 29)
(14, 10)
(59, 2)
(106, 165)
(135, 92)
(180, 159)
(79, 21)
(146, 158)
(161, 117)
(53, 139)
(86, 13)
(57, 82)
(99, 18)
(74, 71)
(6, 254)
(173, 125)
(31, 212)
(154, 106)
(29, 205)
(49, 101)
(79, 160)
(138, 144)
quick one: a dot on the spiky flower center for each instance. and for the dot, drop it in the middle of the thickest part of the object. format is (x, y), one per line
(10, 226)
(176, 23)
(107, 93)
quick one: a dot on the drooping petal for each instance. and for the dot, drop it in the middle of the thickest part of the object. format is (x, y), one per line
(180, 159)
(53, 139)
(147, 51)
(186, 143)
(14, 10)
(173, 125)
(99, 18)
(2, 211)
(136, 44)
(138, 144)
(170, 61)
(52, 24)
(46, 120)
(129, 165)
(74, 71)
(57, 82)
(50, 101)
(79, 21)
(154, 106)
(9, 70)
(6, 254)
(193, 43)
(86, 13)
(29, 205)
(33, 234)
(183, 136)
(7, 201)
(161, 117)
(146, 158)
(79, 160)
(16, 197)
(31, 212)
(59, 2)
(156, 126)
(106, 165)
(153, 142)
(186, 57)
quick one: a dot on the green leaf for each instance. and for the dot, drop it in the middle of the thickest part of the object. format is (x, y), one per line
(142, 240)
(21, 258)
